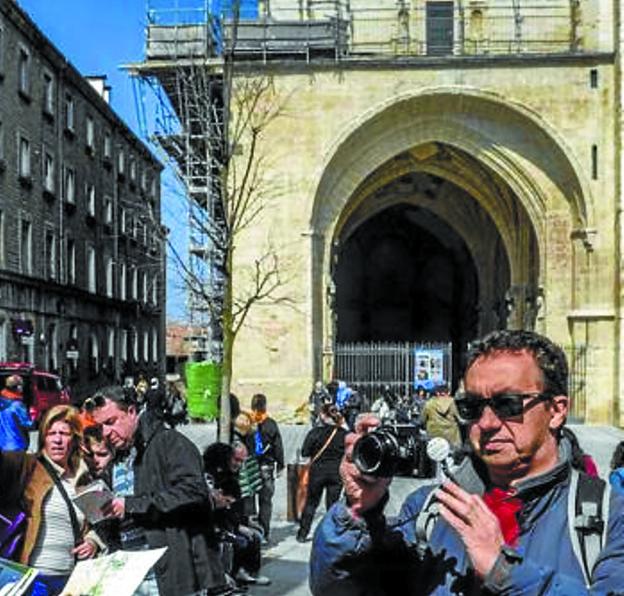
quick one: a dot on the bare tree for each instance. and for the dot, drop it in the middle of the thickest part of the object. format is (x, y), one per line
(221, 162)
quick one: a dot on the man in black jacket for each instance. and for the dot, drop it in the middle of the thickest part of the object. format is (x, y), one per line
(161, 495)
(266, 444)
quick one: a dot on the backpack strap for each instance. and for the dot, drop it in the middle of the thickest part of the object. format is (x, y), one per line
(425, 522)
(588, 508)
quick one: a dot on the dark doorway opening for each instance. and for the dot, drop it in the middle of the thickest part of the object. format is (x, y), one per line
(405, 275)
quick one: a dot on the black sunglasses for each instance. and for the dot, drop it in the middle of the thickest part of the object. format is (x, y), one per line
(505, 405)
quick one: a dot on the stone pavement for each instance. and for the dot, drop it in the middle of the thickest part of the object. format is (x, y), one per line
(286, 561)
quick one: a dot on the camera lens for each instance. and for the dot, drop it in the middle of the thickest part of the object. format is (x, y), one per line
(377, 453)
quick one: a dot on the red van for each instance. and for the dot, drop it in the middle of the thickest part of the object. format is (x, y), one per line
(42, 390)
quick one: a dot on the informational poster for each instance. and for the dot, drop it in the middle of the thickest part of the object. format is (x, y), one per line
(429, 368)
(118, 574)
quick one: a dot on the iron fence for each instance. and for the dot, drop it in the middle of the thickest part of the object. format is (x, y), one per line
(370, 367)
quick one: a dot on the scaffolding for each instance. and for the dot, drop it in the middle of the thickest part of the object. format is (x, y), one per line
(181, 111)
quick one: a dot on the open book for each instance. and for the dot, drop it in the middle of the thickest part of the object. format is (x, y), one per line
(92, 498)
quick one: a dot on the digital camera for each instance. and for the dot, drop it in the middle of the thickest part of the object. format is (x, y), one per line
(392, 450)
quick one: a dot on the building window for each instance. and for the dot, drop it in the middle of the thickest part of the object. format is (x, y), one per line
(91, 270)
(146, 346)
(4, 336)
(2, 47)
(48, 94)
(48, 172)
(123, 221)
(110, 276)
(90, 192)
(71, 261)
(111, 342)
(2, 249)
(123, 345)
(133, 169)
(154, 346)
(135, 283)
(144, 180)
(153, 187)
(108, 210)
(155, 291)
(26, 247)
(69, 112)
(94, 355)
(144, 293)
(108, 145)
(123, 276)
(23, 71)
(50, 254)
(90, 135)
(23, 163)
(52, 347)
(1, 141)
(135, 344)
(121, 161)
(69, 185)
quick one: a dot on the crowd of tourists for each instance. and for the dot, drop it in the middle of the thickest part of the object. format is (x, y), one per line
(520, 509)
(212, 513)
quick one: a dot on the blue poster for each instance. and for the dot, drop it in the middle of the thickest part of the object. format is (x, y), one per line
(429, 370)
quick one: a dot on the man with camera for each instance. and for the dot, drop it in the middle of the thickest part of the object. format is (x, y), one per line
(503, 522)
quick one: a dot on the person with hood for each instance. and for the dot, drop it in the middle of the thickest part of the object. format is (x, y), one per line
(440, 417)
(15, 423)
(160, 496)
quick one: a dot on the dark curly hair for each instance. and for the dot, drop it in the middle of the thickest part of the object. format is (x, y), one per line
(549, 356)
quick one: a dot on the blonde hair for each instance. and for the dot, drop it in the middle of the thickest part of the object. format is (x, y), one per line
(71, 417)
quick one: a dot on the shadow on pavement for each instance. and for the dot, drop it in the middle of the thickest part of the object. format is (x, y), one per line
(287, 577)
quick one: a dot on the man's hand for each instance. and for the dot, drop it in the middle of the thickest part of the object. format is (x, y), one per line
(115, 508)
(85, 550)
(476, 525)
(363, 491)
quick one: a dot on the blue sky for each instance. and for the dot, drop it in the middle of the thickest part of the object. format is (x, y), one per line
(97, 37)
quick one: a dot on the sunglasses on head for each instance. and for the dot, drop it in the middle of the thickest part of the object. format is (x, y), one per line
(505, 405)
(97, 401)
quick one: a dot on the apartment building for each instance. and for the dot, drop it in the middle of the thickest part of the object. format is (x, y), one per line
(82, 277)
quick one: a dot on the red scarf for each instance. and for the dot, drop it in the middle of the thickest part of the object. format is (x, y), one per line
(505, 506)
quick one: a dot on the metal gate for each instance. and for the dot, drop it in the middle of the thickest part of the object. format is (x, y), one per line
(577, 357)
(369, 367)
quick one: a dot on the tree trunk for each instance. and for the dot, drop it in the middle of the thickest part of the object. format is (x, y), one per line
(225, 417)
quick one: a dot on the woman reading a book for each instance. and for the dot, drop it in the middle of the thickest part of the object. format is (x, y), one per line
(56, 533)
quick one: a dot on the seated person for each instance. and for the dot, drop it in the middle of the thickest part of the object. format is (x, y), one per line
(222, 463)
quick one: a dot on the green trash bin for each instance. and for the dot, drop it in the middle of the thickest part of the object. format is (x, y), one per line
(203, 387)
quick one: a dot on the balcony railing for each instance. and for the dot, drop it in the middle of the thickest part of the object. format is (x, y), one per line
(481, 28)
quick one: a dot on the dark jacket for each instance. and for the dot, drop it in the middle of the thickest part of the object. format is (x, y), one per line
(314, 441)
(170, 503)
(349, 561)
(272, 448)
